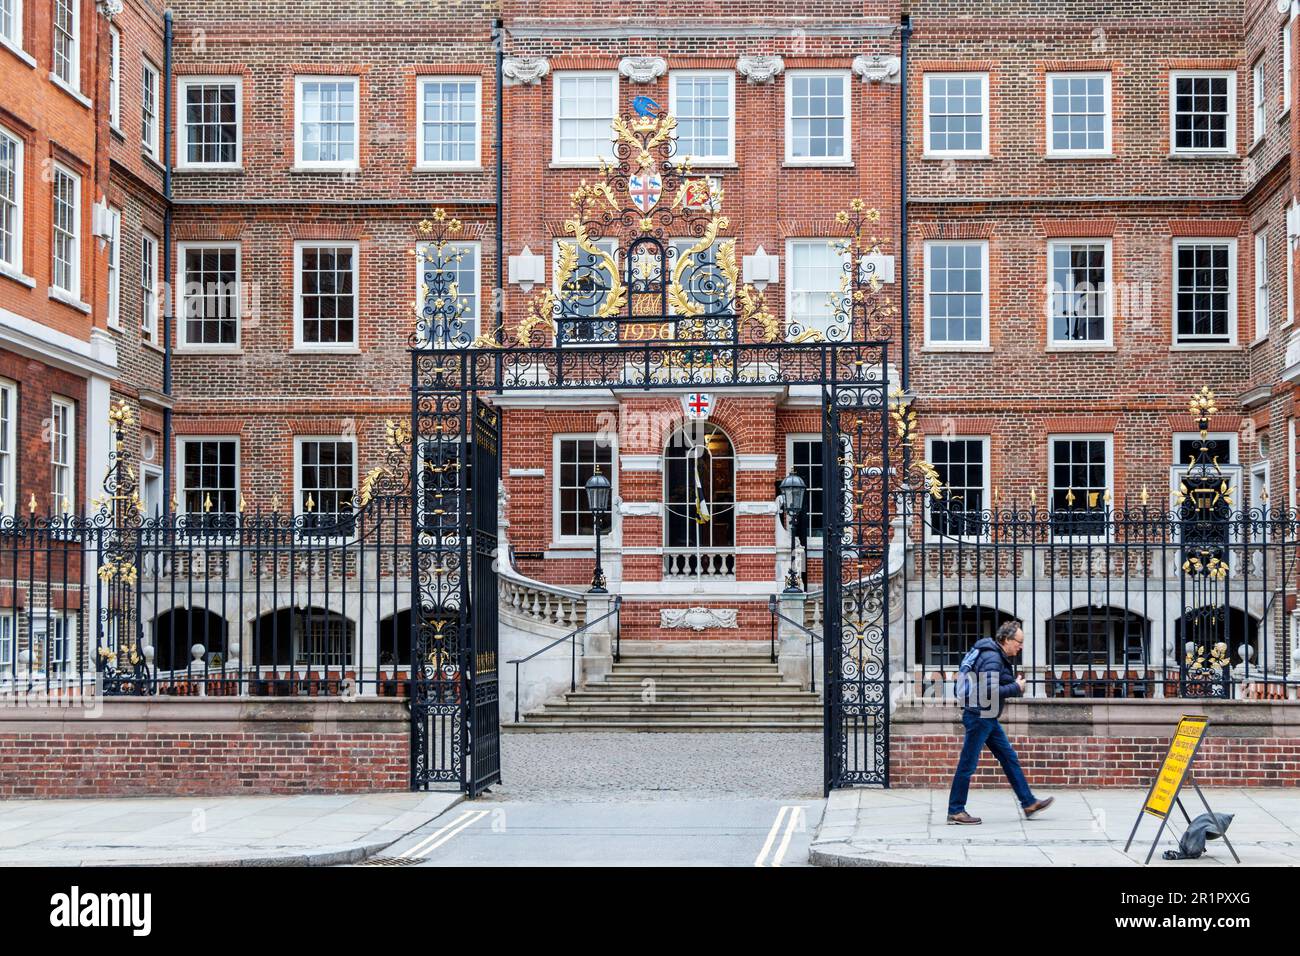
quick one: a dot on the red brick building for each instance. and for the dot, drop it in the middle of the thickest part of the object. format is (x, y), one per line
(80, 185)
(1100, 218)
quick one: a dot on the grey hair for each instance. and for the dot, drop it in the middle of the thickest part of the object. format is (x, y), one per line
(1007, 631)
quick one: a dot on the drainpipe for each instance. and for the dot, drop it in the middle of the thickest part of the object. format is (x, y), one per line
(167, 264)
(499, 42)
(905, 34)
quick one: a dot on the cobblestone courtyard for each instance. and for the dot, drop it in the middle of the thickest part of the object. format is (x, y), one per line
(623, 766)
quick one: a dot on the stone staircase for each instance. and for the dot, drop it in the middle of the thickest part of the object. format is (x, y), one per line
(703, 691)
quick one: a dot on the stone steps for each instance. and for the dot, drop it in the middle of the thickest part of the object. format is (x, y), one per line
(693, 692)
(664, 727)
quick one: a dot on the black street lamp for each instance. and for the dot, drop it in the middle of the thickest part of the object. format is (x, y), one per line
(598, 491)
(793, 489)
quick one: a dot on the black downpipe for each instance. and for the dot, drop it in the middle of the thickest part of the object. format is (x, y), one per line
(499, 41)
(167, 263)
(905, 34)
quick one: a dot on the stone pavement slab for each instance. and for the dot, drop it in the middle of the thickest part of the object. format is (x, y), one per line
(308, 830)
(1082, 828)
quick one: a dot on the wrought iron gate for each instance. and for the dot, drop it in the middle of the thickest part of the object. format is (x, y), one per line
(482, 705)
(856, 581)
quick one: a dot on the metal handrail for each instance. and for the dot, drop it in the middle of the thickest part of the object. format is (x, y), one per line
(772, 606)
(573, 659)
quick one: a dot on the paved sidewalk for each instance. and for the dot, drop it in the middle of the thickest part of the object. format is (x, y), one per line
(1082, 828)
(216, 831)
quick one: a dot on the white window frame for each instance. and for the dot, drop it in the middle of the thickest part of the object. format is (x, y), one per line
(420, 85)
(9, 448)
(983, 343)
(1230, 134)
(1054, 437)
(987, 442)
(182, 490)
(613, 536)
(1289, 249)
(1291, 464)
(14, 265)
(1261, 285)
(69, 408)
(1108, 299)
(1107, 148)
(1259, 108)
(579, 161)
(182, 285)
(45, 626)
(298, 161)
(1259, 475)
(150, 475)
(844, 159)
(1230, 467)
(729, 159)
(791, 292)
(477, 246)
(1288, 61)
(149, 296)
(115, 268)
(115, 78)
(299, 343)
(73, 80)
(149, 87)
(183, 126)
(1220, 438)
(64, 293)
(1231, 243)
(298, 506)
(926, 151)
(815, 541)
(8, 642)
(14, 39)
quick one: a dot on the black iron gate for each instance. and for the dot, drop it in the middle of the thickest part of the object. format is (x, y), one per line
(856, 582)
(482, 704)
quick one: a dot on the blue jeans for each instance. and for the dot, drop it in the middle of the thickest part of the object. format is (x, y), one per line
(981, 731)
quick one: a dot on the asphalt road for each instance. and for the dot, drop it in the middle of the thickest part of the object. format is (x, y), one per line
(635, 800)
(714, 831)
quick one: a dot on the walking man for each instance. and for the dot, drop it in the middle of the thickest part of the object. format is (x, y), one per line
(987, 679)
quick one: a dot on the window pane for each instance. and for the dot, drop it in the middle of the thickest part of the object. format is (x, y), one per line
(955, 292)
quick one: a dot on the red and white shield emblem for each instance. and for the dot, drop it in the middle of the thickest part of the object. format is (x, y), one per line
(697, 404)
(645, 189)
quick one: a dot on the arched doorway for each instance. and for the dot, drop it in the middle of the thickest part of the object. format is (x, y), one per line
(699, 503)
(176, 631)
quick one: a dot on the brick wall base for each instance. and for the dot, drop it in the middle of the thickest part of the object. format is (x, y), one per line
(1087, 762)
(206, 748)
(1082, 744)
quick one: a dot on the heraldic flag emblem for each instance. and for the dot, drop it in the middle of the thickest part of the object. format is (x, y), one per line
(645, 188)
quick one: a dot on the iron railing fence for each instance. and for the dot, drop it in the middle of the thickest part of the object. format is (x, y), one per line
(242, 603)
(1129, 601)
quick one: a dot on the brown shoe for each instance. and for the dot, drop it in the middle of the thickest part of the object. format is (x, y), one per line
(963, 818)
(1040, 805)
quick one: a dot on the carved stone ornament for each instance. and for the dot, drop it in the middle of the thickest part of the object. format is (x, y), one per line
(877, 68)
(760, 70)
(524, 70)
(642, 69)
(697, 618)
